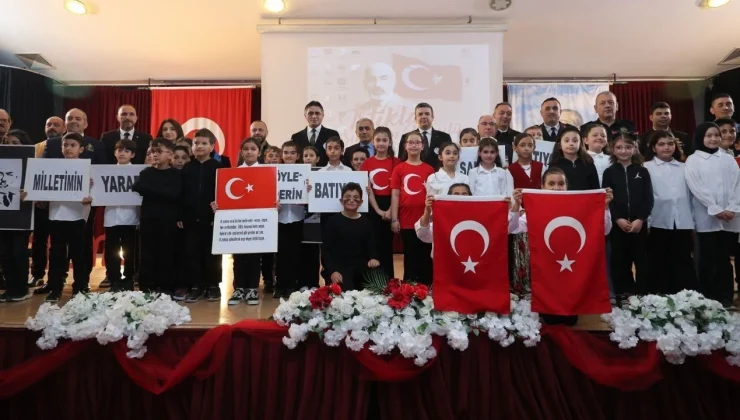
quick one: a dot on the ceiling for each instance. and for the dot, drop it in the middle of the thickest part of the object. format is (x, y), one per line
(136, 40)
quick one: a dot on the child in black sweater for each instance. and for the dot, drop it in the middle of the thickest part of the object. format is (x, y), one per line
(570, 156)
(160, 188)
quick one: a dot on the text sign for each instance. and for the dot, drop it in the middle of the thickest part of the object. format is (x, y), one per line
(57, 179)
(251, 231)
(326, 190)
(292, 181)
(468, 156)
(112, 185)
(542, 153)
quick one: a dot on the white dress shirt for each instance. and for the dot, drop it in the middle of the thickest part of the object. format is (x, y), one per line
(714, 181)
(672, 205)
(497, 181)
(439, 183)
(601, 161)
(518, 222)
(130, 134)
(339, 167)
(549, 129)
(308, 133)
(68, 211)
(121, 215)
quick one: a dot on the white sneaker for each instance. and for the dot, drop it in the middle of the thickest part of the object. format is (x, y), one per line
(253, 297)
(237, 296)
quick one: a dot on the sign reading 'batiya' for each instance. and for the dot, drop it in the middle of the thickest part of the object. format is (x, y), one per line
(326, 190)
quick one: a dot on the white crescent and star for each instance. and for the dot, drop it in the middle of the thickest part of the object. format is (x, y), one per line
(372, 178)
(231, 182)
(406, 180)
(407, 72)
(565, 221)
(475, 227)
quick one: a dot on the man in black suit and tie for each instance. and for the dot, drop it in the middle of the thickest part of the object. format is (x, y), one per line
(431, 138)
(551, 126)
(314, 134)
(660, 116)
(364, 130)
(505, 134)
(76, 122)
(127, 120)
(606, 108)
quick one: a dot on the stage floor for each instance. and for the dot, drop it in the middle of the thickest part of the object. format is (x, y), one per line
(206, 314)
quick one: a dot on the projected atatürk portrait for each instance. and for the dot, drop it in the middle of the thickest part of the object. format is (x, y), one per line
(380, 84)
(10, 184)
(572, 117)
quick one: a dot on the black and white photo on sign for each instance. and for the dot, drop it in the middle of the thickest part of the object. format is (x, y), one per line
(57, 179)
(11, 172)
(112, 185)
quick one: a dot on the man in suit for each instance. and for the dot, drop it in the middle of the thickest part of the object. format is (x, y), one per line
(504, 133)
(314, 134)
(5, 123)
(486, 126)
(551, 126)
(606, 108)
(76, 122)
(364, 130)
(660, 116)
(432, 139)
(127, 120)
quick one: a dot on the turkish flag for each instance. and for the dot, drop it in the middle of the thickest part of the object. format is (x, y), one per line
(420, 80)
(471, 262)
(226, 112)
(246, 188)
(567, 252)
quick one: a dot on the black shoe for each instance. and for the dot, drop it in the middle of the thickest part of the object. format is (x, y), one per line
(268, 287)
(7, 297)
(180, 295)
(84, 290)
(194, 295)
(54, 296)
(213, 294)
(278, 293)
(42, 290)
(36, 281)
(105, 283)
(116, 287)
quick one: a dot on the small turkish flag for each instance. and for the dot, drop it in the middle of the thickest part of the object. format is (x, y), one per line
(246, 188)
(419, 80)
(567, 252)
(470, 254)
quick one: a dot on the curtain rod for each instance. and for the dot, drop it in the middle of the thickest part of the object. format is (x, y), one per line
(508, 80)
(151, 83)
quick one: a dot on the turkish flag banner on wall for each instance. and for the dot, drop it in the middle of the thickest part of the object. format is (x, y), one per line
(420, 80)
(567, 251)
(226, 112)
(471, 262)
(246, 188)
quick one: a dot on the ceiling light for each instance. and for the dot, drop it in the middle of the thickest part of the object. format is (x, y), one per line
(75, 6)
(274, 6)
(711, 4)
(499, 5)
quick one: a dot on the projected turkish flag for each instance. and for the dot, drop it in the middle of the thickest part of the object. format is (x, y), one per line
(420, 80)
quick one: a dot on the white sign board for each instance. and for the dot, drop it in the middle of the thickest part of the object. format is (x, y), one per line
(252, 231)
(326, 190)
(112, 185)
(292, 183)
(468, 156)
(57, 179)
(542, 153)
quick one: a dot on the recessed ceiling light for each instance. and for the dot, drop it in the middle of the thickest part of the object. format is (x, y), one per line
(499, 5)
(711, 4)
(274, 6)
(75, 6)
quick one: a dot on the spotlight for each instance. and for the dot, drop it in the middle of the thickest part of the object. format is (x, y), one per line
(711, 4)
(274, 6)
(499, 5)
(75, 6)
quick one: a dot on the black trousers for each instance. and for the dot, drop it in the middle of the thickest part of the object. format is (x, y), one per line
(673, 266)
(246, 271)
(383, 236)
(629, 248)
(14, 260)
(310, 257)
(417, 258)
(288, 270)
(157, 253)
(39, 257)
(89, 238)
(267, 264)
(117, 238)
(715, 269)
(68, 241)
(204, 267)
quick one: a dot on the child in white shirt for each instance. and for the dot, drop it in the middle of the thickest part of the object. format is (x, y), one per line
(594, 137)
(439, 183)
(489, 177)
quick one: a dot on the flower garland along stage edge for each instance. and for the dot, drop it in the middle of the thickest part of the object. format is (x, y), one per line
(401, 316)
(108, 317)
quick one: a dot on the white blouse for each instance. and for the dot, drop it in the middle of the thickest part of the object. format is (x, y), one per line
(518, 222)
(439, 183)
(601, 161)
(497, 181)
(672, 205)
(714, 181)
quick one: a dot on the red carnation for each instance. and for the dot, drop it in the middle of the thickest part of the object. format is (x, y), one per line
(320, 298)
(399, 301)
(335, 289)
(421, 291)
(392, 286)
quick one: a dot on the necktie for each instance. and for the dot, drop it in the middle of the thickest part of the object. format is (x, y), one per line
(125, 136)
(425, 140)
(312, 141)
(553, 133)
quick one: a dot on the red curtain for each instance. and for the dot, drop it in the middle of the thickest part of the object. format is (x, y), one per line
(635, 99)
(101, 104)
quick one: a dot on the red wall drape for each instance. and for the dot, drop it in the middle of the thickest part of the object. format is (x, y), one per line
(636, 98)
(101, 104)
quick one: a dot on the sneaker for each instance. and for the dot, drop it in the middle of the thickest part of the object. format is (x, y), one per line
(180, 295)
(105, 283)
(237, 296)
(34, 281)
(42, 290)
(213, 294)
(253, 297)
(16, 298)
(84, 289)
(54, 296)
(194, 295)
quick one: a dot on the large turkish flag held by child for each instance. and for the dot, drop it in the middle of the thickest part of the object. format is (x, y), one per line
(470, 255)
(226, 112)
(246, 188)
(567, 251)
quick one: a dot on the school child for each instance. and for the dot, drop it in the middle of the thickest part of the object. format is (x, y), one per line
(535, 132)
(407, 206)
(311, 156)
(439, 182)
(630, 209)
(489, 177)
(334, 151)
(151, 156)
(713, 178)
(120, 231)
(67, 227)
(181, 157)
(272, 155)
(310, 252)
(469, 137)
(728, 133)
(380, 168)
(570, 156)
(359, 156)
(348, 248)
(424, 227)
(594, 137)
(671, 221)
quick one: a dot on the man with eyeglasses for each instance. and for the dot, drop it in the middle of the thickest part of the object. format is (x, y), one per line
(364, 130)
(486, 126)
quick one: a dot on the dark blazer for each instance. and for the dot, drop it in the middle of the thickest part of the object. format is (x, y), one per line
(94, 150)
(507, 139)
(112, 137)
(301, 139)
(347, 158)
(685, 139)
(429, 155)
(546, 135)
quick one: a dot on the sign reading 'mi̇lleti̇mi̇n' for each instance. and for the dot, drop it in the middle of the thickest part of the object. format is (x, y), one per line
(57, 179)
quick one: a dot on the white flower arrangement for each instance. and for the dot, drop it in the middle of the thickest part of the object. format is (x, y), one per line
(682, 324)
(108, 317)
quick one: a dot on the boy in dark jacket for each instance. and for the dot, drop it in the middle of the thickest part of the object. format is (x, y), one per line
(159, 187)
(198, 194)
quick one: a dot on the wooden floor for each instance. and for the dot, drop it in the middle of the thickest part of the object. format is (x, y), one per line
(205, 314)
